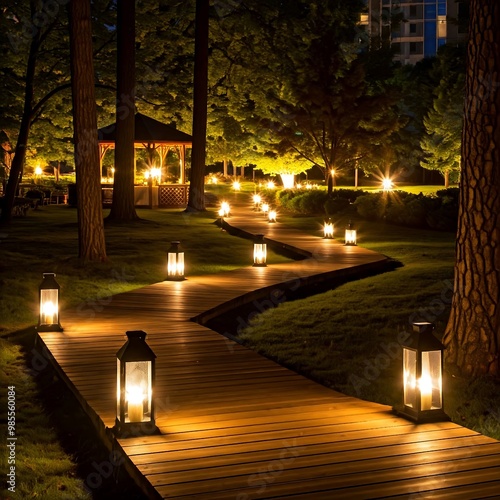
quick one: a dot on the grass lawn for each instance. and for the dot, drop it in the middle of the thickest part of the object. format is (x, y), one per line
(347, 338)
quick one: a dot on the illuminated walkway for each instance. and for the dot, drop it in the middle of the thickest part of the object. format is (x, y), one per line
(235, 425)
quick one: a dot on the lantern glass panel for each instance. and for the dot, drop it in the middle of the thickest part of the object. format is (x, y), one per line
(259, 253)
(410, 377)
(175, 265)
(328, 229)
(49, 307)
(138, 391)
(431, 383)
(350, 236)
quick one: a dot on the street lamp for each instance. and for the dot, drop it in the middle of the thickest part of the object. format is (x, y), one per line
(423, 376)
(175, 262)
(48, 320)
(135, 383)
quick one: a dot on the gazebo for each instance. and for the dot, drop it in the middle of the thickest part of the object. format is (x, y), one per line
(158, 139)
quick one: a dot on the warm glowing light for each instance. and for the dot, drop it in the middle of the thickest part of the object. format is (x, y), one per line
(214, 180)
(135, 399)
(288, 180)
(259, 251)
(425, 385)
(298, 185)
(236, 186)
(147, 174)
(332, 171)
(350, 235)
(49, 311)
(328, 229)
(270, 185)
(257, 200)
(38, 170)
(386, 184)
(113, 170)
(175, 262)
(225, 209)
(309, 186)
(156, 173)
(272, 216)
(265, 207)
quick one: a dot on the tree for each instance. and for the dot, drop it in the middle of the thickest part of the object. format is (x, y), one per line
(90, 224)
(200, 96)
(441, 145)
(123, 207)
(472, 336)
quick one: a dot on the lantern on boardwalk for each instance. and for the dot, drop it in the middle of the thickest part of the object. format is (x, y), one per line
(256, 201)
(328, 229)
(259, 251)
(423, 376)
(265, 208)
(271, 216)
(350, 235)
(175, 262)
(224, 209)
(48, 320)
(135, 381)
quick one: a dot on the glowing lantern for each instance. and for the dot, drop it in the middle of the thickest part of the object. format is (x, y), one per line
(135, 381)
(175, 262)
(48, 320)
(271, 216)
(257, 201)
(423, 376)
(350, 235)
(259, 251)
(38, 170)
(224, 209)
(236, 186)
(328, 229)
(270, 185)
(265, 208)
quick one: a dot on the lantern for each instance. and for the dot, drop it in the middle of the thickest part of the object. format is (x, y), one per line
(328, 229)
(224, 209)
(256, 201)
(350, 235)
(135, 381)
(48, 320)
(265, 208)
(271, 217)
(175, 262)
(237, 186)
(259, 251)
(423, 376)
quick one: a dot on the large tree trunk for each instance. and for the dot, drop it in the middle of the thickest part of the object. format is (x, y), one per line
(88, 172)
(197, 181)
(123, 207)
(16, 170)
(446, 178)
(472, 337)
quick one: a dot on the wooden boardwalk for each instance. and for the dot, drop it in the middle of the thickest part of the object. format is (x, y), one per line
(235, 425)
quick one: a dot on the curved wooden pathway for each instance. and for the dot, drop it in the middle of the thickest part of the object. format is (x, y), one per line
(235, 425)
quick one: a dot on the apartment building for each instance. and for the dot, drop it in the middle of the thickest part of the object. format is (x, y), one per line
(415, 29)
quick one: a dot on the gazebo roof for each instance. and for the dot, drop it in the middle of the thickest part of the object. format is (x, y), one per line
(147, 130)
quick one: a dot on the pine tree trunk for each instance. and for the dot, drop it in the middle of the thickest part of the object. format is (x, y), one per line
(123, 207)
(16, 169)
(197, 181)
(88, 172)
(472, 336)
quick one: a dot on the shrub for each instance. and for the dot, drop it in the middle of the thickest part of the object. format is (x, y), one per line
(313, 202)
(336, 205)
(371, 206)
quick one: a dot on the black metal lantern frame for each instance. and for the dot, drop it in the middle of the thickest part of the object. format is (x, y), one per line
(48, 320)
(423, 376)
(259, 251)
(328, 229)
(175, 262)
(350, 235)
(135, 385)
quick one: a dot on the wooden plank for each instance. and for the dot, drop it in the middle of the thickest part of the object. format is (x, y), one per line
(236, 425)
